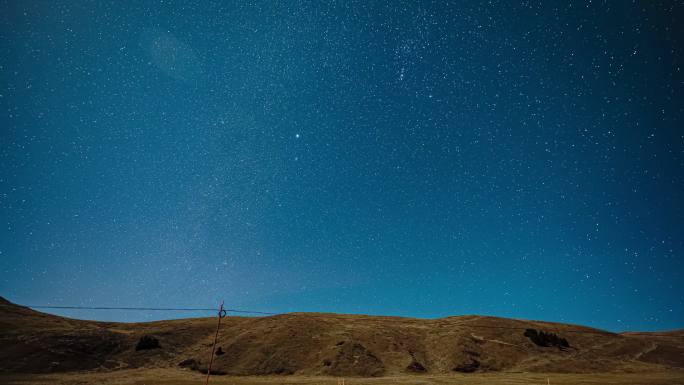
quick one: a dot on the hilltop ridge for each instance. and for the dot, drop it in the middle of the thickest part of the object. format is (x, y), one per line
(329, 344)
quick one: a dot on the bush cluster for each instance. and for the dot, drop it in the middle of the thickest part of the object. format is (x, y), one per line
(546, 339)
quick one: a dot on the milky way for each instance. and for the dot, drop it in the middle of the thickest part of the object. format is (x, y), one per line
(518, 159)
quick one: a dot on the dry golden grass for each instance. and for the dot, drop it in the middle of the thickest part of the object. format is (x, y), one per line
(182, 377)
(37, 348)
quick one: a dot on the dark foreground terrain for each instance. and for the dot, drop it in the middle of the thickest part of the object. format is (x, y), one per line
(311, 348)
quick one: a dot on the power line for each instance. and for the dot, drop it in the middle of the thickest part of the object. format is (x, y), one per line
(148, 308)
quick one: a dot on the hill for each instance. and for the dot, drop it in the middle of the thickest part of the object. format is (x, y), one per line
(329, 344)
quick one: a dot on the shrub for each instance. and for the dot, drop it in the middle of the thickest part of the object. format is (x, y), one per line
(546, 339)
(147, 342)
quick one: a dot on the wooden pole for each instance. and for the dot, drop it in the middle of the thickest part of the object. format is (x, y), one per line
(221, 314)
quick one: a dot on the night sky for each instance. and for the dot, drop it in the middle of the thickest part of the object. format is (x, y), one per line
(518, 159)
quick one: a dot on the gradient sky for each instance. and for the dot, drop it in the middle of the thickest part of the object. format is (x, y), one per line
(519, 159)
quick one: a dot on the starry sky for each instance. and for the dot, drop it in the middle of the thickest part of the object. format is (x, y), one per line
(511, 158)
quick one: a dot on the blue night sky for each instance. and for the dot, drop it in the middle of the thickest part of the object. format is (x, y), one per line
(519, 159)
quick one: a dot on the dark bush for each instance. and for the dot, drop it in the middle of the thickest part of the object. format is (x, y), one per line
(469, 367)
(189, 363)
(193, 364)
(214, 372)
(546, 339)
(283, 370)
(416, 367)
(147, 342)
